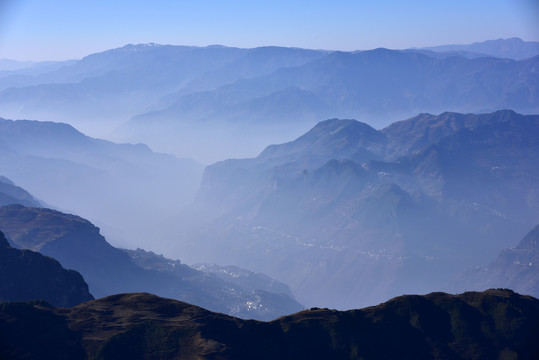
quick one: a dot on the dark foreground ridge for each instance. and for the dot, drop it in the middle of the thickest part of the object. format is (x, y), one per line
(494, 324)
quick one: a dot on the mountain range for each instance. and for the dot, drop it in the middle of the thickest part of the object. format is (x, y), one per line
(102, 89)
(488, 325)
(415, 203)
(350, 216)
(218, 102)
(377, 86)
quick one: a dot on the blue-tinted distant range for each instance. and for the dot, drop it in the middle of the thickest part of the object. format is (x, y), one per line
(212, 103)
(215, 102)
(63, 29)
(56, 64)
(293, 153)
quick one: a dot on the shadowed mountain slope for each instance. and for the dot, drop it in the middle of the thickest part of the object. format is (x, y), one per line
(489, 325)
(28, 275)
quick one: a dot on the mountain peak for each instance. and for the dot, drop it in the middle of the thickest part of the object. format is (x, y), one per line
(333, 138)
(135, 47)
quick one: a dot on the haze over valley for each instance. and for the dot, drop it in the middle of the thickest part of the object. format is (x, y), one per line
(326, 189)
(410, 206)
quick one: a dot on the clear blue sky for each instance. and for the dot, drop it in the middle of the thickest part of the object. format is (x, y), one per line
(64, 29)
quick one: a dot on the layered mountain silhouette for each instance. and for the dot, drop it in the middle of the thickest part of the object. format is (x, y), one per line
(488, 325)
(78, 245)
(349, 216)
(28, 275)
(126, 189)
(377, 86)
(111, 86)
(237, 99)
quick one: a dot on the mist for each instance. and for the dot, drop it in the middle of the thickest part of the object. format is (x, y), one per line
(269, 180)
(351, 177)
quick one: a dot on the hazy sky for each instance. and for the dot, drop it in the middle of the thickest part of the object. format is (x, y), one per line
(63, 29)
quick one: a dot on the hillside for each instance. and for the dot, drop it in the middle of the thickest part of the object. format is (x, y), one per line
(488, 325)
(28, 275)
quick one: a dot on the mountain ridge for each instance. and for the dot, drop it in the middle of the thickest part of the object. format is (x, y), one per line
(514, 48)
(467, 326)
(154, 93)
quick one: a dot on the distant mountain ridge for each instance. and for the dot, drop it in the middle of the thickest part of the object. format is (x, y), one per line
(103, 89)
(18, 71)
(377, 86)
(488, 325)
(240, 98)
(513, 48)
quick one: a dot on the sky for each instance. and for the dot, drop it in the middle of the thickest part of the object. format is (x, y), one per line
(65, 29)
